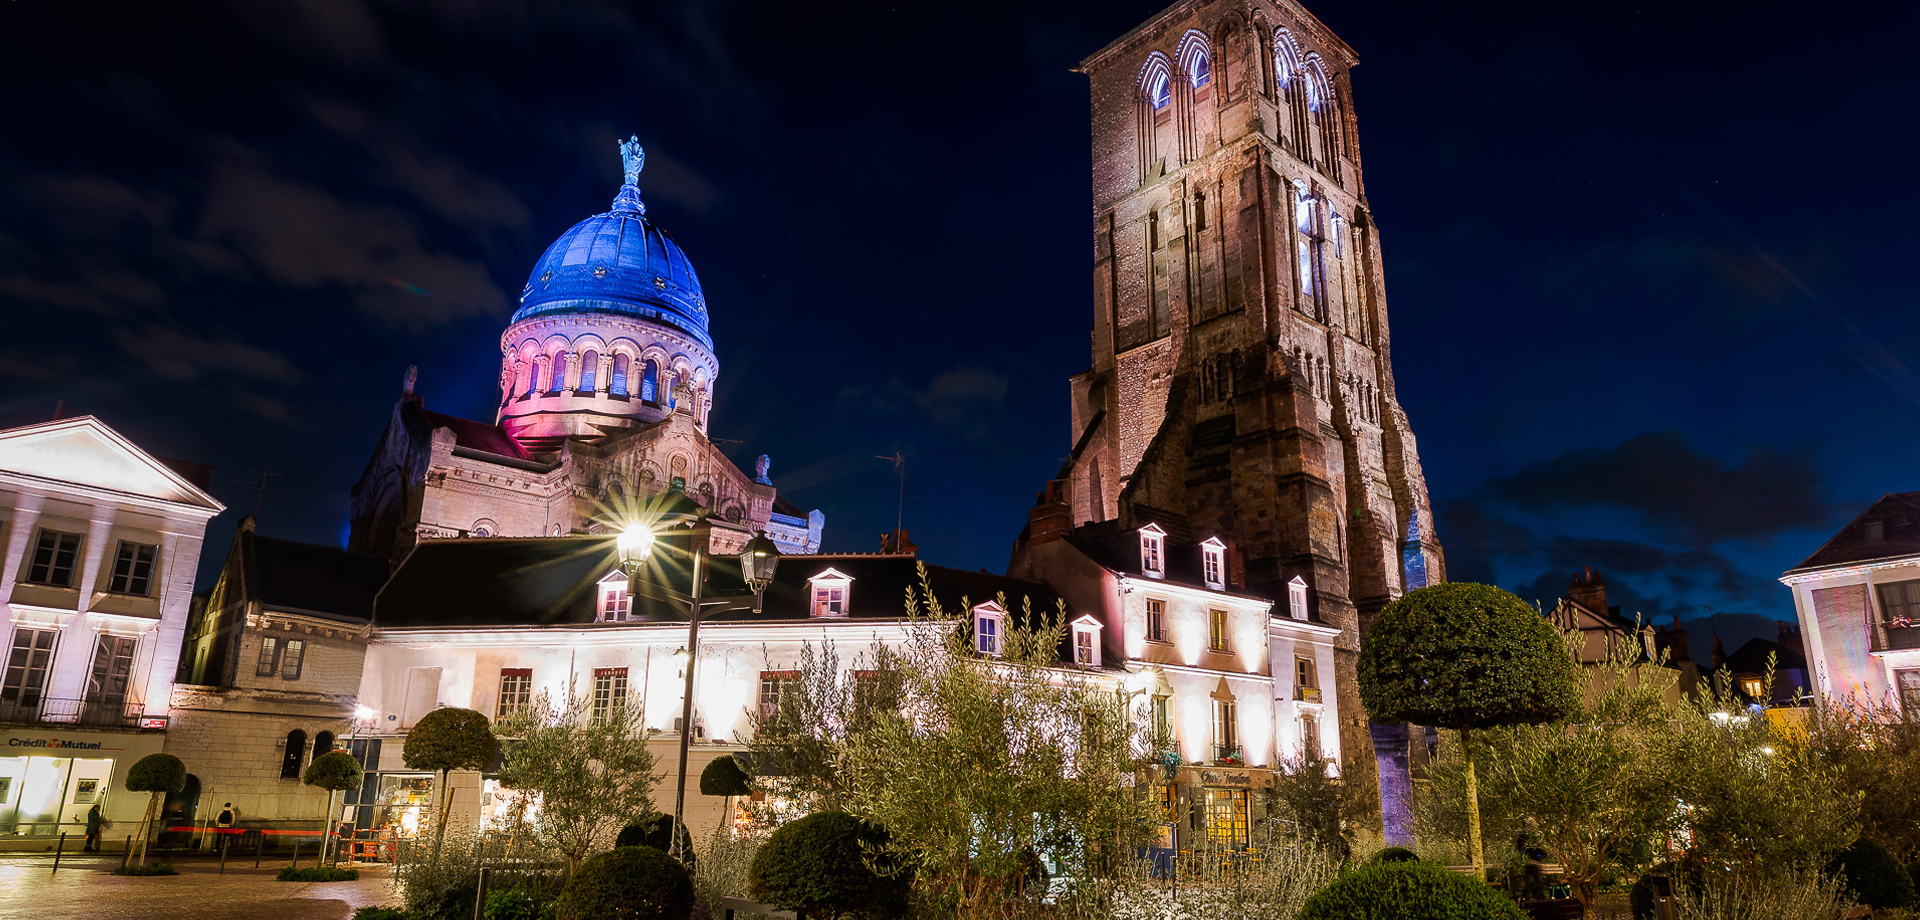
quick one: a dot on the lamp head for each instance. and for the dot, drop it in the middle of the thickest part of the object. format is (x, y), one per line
(635, 544)
(758, 561)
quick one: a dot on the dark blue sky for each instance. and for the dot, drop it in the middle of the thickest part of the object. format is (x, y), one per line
(1648, 271)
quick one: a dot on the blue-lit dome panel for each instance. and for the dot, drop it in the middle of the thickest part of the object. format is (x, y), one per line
(618, 262)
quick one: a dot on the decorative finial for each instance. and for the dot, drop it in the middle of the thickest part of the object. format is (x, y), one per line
(634, 157)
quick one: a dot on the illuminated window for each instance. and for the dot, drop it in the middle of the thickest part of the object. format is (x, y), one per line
(54, 555)
(1226, 730)
(516, 691)
(618, 385)
(269, 663)
(1086, 642)
(26, 677)
(589, 372)
(1194, 60)
(1900, 604)
(1217, 638)
(1213, 559)
(616, 604)
(1156, 620)
(1163, 719)
(133, 569)
(1153, 544)
(1159, 90)
(829, 590)
(990, 630)
(557, 375)
(650, 383)
(1227, 817)
(609, 692)
(1297, 598)
(775, 689)
(292, 658)
(1753, 687)
(1310, 736)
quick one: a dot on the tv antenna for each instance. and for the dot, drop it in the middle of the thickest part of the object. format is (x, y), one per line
(899, 461)
(260, 487)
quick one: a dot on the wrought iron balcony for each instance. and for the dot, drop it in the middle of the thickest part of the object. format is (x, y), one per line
(1896, 639)
(51, 710)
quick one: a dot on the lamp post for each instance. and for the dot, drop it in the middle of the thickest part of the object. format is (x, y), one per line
(757, 563)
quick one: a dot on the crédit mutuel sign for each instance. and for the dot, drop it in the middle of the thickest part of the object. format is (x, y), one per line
(58, 744)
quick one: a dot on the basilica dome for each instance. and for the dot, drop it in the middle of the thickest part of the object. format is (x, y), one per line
(619, 263)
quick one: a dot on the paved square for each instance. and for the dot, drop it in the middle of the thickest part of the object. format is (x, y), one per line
(85, 889)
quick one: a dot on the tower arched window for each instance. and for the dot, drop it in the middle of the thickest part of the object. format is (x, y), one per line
(533, 377)
(618, 387)
(650, 383)
(322, 744)
(1324, 117)
(557, 372)
(589, 372)
(1156, 114)
(1290, 89)
(295, 753)
(1309, 246)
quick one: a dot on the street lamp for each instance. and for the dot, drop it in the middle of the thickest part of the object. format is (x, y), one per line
(757, 562)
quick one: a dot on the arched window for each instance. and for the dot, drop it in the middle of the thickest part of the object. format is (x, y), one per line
(1290, 88)
(533, 377)
(619, 385)
(589, 372)
(1324, 115)
(322, 744)
(296, 750)
(1156, 114)
(650, 383)
(557, 373)
(1196, 61)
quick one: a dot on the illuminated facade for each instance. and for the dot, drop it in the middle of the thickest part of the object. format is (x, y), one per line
(1241, 376)
(101, 540)
(1858, 602)
(606, 380)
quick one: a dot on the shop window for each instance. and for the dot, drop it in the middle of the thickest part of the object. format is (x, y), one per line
(516, 691)
(296, 750)
(269, 663)
(292, 658)
(1227, 817)
(609, 692)
(1153, 544)
(776, 689)
(26, 677)
(133, 569)
(54, 555)
(1217, 637)
(1156, 620)
(1213, 568)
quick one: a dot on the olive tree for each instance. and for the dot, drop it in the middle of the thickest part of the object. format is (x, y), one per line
(590, 774)
(334, 772)
(158, 774)
(1467, 657)
(446, 740)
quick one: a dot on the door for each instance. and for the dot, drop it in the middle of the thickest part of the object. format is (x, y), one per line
(107, 683)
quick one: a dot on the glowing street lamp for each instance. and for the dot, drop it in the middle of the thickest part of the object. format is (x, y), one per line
(635, 544)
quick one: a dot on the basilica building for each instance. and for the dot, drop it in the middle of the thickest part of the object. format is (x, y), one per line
(606, 378)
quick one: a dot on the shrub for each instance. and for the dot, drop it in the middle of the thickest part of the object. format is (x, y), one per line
(724, 777)
(1685, 874)
(653, 833)
(724, 868)
(1395, 855)
(529, 898)
(1746, 896)
(147, 869)
(819, 865)
(630, 883)
(317, 874)
(1872, 875)
(1408, 891)
(381, 913)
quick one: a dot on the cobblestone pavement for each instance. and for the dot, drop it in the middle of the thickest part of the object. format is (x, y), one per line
(85, 889)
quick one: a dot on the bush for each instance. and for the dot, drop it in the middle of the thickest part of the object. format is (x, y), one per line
(1766, 896)
(381, 913)
(630, 883)
(653, 833)
(819, 865)
(1395, 855)
(1408, 891)
(1872, 875)
(724, 777)
(318, 874)
(1680, 875)
(529, 898)
(148, 869)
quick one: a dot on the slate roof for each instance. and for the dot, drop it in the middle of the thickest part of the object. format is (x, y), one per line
(1117, 547)
(467, 433)
(1751, 658)
(310, 579)
(1898, 515)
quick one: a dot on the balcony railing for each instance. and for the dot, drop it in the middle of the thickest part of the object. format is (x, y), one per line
(51, 710)
(1307, 694)
(1890, 638)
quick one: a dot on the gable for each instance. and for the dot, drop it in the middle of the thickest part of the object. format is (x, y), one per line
(86, 452)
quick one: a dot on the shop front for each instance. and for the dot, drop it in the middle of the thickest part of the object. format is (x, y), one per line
(50, 779)
(1222, 806)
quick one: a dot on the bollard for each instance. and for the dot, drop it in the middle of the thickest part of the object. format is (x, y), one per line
(126, 855)
(259, 847)
(223, 857)
(296, 852)
(59, 850)
(480, 895)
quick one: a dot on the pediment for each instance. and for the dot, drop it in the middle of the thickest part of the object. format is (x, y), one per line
(86, 452)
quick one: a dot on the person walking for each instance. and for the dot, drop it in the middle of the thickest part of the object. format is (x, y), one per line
(93, 829)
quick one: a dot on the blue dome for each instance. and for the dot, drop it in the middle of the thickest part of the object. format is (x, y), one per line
(618, 262)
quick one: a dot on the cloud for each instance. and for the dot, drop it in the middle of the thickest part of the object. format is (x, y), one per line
(175, 355)
(1682, 492)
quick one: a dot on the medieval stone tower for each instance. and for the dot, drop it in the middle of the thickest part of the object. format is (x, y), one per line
(1241, 380)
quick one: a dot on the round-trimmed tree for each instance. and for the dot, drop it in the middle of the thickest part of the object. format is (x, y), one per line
(820, 866)
(630, 883)
(1408, 891)
(1466, 656)
(1873, 875)
(158, 775)
(446, 740)
(724, 777)
(660, 832)
(335, 771)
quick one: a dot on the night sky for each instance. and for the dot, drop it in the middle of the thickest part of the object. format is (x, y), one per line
(1649, 272)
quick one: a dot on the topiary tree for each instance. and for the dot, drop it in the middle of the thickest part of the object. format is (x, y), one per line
(819, 866)
(1873, 876)
(1466, 656)
(630, 883)
(724, 777)
(1409, 891)
(653, 832)
(336, 771)
(157, 774)
(446, 740)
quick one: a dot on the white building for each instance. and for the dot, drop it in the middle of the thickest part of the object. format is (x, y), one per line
(1858, 601)
(101, 540)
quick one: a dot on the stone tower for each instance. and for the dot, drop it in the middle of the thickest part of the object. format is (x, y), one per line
(1241, 374)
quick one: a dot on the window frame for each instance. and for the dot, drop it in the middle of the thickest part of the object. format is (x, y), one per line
(293, 658)
(1226, 730)
(774, 687)
(511, 700)
(990, 613)
(1153, 551)
(612, 596)
(268, 664)
(829, 595)
(1086, 630)
(1156, 615)
(1219, 629)
(1906, 690)
(1297, 598)
(42, 573)
(21, 663)
(610, 690)
(124, 581)
(1213, 563)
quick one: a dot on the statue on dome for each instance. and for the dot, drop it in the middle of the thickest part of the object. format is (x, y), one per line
(634, 157)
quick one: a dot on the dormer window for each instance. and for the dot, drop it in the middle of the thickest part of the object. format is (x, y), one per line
(829, 589)
(1213, 563)
(990, 630)
(1297, 598)
(616, 603)
(1086, 642)
(1153, 551)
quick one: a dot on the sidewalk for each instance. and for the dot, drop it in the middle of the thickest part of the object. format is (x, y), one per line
(84, 889)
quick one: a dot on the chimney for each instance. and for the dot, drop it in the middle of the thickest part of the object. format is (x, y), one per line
(1051, 516)
(897, 544)
(1790, 639)
(1589, 591)
(1674, 641)
(1719, 653)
